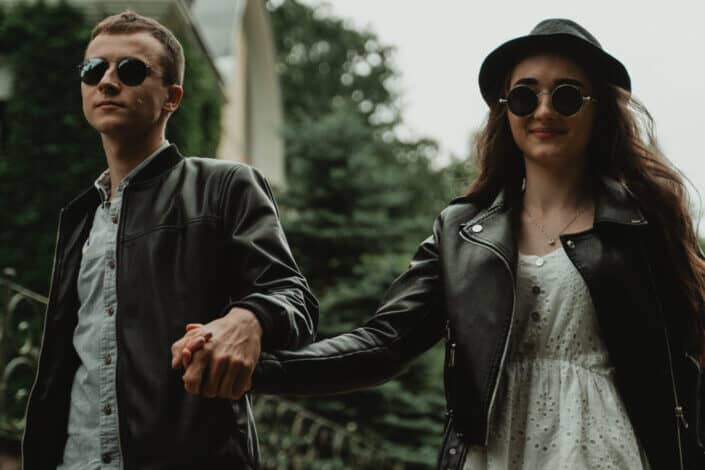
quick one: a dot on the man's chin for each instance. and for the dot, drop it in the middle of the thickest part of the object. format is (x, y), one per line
(114, 129)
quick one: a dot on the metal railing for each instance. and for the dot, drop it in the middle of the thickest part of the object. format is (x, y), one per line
(21, 317)
(291, 437)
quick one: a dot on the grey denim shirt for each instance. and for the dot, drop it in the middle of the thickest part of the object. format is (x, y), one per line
(93, 437)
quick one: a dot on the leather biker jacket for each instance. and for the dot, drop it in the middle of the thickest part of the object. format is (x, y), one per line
(195, 238)
(460, 286)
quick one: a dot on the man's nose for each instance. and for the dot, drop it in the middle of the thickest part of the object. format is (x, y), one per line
(109, 83)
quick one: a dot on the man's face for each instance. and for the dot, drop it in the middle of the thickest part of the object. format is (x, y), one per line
(118, 110)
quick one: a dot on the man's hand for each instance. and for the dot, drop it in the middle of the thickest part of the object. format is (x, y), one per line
(219, 356)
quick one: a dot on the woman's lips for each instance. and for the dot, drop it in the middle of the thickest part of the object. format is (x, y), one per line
(546, 132)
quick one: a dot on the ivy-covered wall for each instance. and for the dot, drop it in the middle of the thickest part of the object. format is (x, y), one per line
(49, 153)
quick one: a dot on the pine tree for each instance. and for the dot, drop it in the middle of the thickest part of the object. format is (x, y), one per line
(359, 201)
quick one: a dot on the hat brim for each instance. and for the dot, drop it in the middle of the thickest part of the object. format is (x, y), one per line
(597, 62)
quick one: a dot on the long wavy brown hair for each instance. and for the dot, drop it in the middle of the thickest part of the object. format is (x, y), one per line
(624, 148)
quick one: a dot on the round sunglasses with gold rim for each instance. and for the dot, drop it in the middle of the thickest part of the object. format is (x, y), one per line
(566, 99)
(130, 71)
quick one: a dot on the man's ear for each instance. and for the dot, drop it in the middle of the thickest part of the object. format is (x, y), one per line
(174, 95)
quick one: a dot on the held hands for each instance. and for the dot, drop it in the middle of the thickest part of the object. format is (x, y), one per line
(219, 357)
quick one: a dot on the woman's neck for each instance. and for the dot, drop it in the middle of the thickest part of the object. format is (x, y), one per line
(555, 190)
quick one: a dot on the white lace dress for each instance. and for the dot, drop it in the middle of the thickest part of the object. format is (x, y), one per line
(558, 407)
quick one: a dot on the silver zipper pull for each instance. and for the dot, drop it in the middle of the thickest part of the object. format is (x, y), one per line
(451, 359)
(681, 417)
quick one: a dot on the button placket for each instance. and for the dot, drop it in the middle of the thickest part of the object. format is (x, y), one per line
(109, 432)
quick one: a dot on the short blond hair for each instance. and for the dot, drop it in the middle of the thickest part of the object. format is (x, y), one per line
(129, 22)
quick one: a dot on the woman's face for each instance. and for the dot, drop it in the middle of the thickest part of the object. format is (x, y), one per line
(547, 137)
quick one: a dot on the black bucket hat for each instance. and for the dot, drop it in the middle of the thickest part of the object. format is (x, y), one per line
(555, 35)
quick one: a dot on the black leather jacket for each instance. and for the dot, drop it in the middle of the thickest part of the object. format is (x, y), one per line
(460, 286)
(196, 237)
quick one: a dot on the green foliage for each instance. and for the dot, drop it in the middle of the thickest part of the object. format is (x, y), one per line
(195, 126)
(50, 153)
(359, 201)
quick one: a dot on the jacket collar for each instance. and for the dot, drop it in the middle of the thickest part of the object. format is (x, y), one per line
(493, 226)
(161, 162)
(615, 203)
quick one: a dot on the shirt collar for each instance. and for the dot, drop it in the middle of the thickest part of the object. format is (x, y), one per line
(102, 183)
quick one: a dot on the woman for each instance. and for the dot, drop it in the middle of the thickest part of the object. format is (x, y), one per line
(567, 283)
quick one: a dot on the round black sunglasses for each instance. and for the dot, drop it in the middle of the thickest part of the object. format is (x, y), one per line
(566, 99)
(130, 71)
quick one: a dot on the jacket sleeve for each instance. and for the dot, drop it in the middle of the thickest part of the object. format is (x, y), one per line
(266, 279)
(409, 321)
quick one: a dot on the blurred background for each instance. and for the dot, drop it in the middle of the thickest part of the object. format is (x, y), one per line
(361, 114)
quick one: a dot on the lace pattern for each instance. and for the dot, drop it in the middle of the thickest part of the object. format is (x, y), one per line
(559, 407)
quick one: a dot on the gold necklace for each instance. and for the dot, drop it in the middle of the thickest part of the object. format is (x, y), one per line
(552, 240)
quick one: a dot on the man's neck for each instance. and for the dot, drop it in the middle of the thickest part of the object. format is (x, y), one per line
(123, 155)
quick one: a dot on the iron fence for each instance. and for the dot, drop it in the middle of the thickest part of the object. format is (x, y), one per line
(291, 437)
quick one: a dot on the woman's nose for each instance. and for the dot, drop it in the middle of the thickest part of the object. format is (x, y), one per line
(545, 106)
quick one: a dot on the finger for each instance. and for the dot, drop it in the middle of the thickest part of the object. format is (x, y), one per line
(176, 352)
(193, 326)
(194, 374)
(243, 381)
(217, 368)
(178, 346)
(193, 345)
(186, 357)
(226, 385)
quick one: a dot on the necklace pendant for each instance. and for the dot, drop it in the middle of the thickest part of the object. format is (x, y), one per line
(551, 241)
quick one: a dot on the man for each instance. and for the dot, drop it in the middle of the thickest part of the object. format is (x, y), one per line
(159, 243)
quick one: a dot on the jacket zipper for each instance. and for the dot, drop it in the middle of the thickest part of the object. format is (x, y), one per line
(678, 409)
(117, 329)
(50, 298)
(495, 389)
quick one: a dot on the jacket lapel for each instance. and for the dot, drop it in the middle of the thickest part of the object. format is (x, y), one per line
(494, 227)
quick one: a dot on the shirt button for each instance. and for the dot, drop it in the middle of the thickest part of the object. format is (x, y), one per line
(106, 458)
(536, 290)
(107, 359)
(535, 316)
(452, 451)
(110, 311)
(108, 410)
(477, 228)
(570, 244)
(111, 264)
(540, 262)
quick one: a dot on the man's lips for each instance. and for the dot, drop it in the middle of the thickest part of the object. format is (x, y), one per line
(107, 103)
